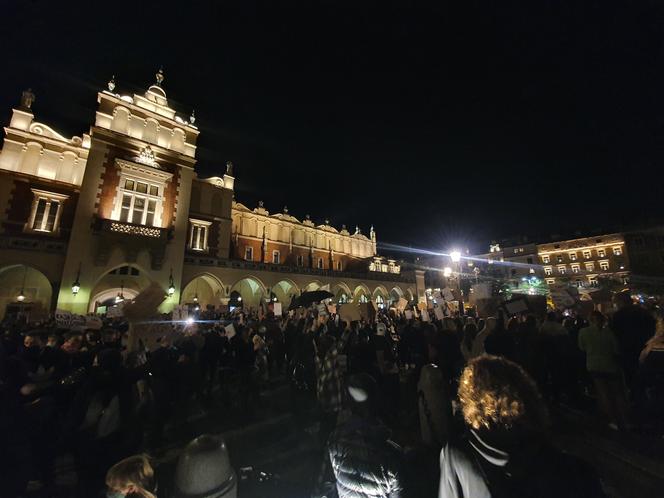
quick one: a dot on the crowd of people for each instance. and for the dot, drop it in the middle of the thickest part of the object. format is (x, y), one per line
(482, 389)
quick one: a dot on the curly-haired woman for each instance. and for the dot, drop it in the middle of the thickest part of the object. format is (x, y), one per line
(505, 451)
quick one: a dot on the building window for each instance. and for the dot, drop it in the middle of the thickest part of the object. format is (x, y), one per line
(529, 261)
(578, 283)
(249, 253)
(46, 211)
(546, 259)
(548, 270)
(300, 260)
(562, 270)
(198, 234)
(617, 251)
(139, 201)
(590, 266)
(275, 257)
(320, 263)
(550, 281)
(592, 281)
(587, 254)
(576, 268)
(604, 265)
(601, 253)
(559, 258)
(572, 256)
(338, 265)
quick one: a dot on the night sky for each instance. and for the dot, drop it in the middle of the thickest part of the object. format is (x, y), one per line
(447, 125)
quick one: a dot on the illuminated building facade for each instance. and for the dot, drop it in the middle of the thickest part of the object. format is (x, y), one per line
(91, 220)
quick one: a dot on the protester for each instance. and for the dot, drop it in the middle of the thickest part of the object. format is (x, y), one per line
(506, 451)
(365, 462)
(602, 362)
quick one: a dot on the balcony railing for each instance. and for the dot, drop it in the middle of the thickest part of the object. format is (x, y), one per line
(124, 228)
(253, 266)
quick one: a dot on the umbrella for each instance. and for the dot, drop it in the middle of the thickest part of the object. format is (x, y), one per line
(306, 299)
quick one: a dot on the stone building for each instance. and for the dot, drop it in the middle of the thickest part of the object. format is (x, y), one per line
(91, 220)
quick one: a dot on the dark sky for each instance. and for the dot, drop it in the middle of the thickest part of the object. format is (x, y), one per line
(443, 125)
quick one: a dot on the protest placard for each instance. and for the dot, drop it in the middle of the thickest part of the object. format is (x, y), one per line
(349, 312)
(230, 331)
(62, 319)
(425, 316)
(277, 309)
(517, 306)
(401, 305)
(367, 312)
(438, 311)
(448, 295)
(93, 322)
(408, 314)
(482, 291)
(421, 306)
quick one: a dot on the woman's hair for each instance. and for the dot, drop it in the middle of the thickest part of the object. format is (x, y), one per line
(133, 471)
(497, 394)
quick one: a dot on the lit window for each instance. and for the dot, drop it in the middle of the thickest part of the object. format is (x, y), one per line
(590, 266)
(139, 201)
(592, 281)
(562, 270)
(338, 265)
(249, 253)
(579, 283)
(601, 253)
(320, 263)
(572, 256)
(548, 270)
(46, 211)
(198, 234)
(617, 251)
(604, 265)
(300, 260)
(576, 268)
(546, 259)
(275, 257)
(550, 281)
(587, 254)
(559, 258)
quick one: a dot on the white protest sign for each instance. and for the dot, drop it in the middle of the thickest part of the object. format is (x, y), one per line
(408, 314)
(447, 294)
(482, 291)
(276, 307)
(230, 331)
(93, 322)
(439, 313)
(62, 318)
(77, 322)
(425, 316)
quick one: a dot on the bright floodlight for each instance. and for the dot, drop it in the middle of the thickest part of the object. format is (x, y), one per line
(456, 256)
(190, 320)
(447, 271)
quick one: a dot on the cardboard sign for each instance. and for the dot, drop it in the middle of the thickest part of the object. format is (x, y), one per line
(349, 312)
(408, 314)
(425, 316)
(421, 306)
(230, 331)
(438, 295)
(448, 295)
(439, 313)
(276, 308)
(62, 319)
(516, 307)
(401, 305)
(367, 311)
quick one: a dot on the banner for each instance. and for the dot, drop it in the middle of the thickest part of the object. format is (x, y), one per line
(62, 319)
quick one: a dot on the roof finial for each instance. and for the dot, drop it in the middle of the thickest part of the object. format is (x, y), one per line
(111, 84)
(261, 204)
(192, 118)
(27, 98)
(160, 76)
(229, 168)
(285, 209)
(327, 221)
(357, 229)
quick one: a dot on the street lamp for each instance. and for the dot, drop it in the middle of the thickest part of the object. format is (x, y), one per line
(456, 256)
(171, 284)
(76, 286)
(447, 272)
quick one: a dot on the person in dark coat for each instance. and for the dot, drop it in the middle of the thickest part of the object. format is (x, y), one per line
(365, 462)
(506, 452)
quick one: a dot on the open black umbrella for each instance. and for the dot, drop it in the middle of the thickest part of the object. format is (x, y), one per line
(306, 299)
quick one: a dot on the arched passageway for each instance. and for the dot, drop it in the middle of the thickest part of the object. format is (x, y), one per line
(24, 291)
